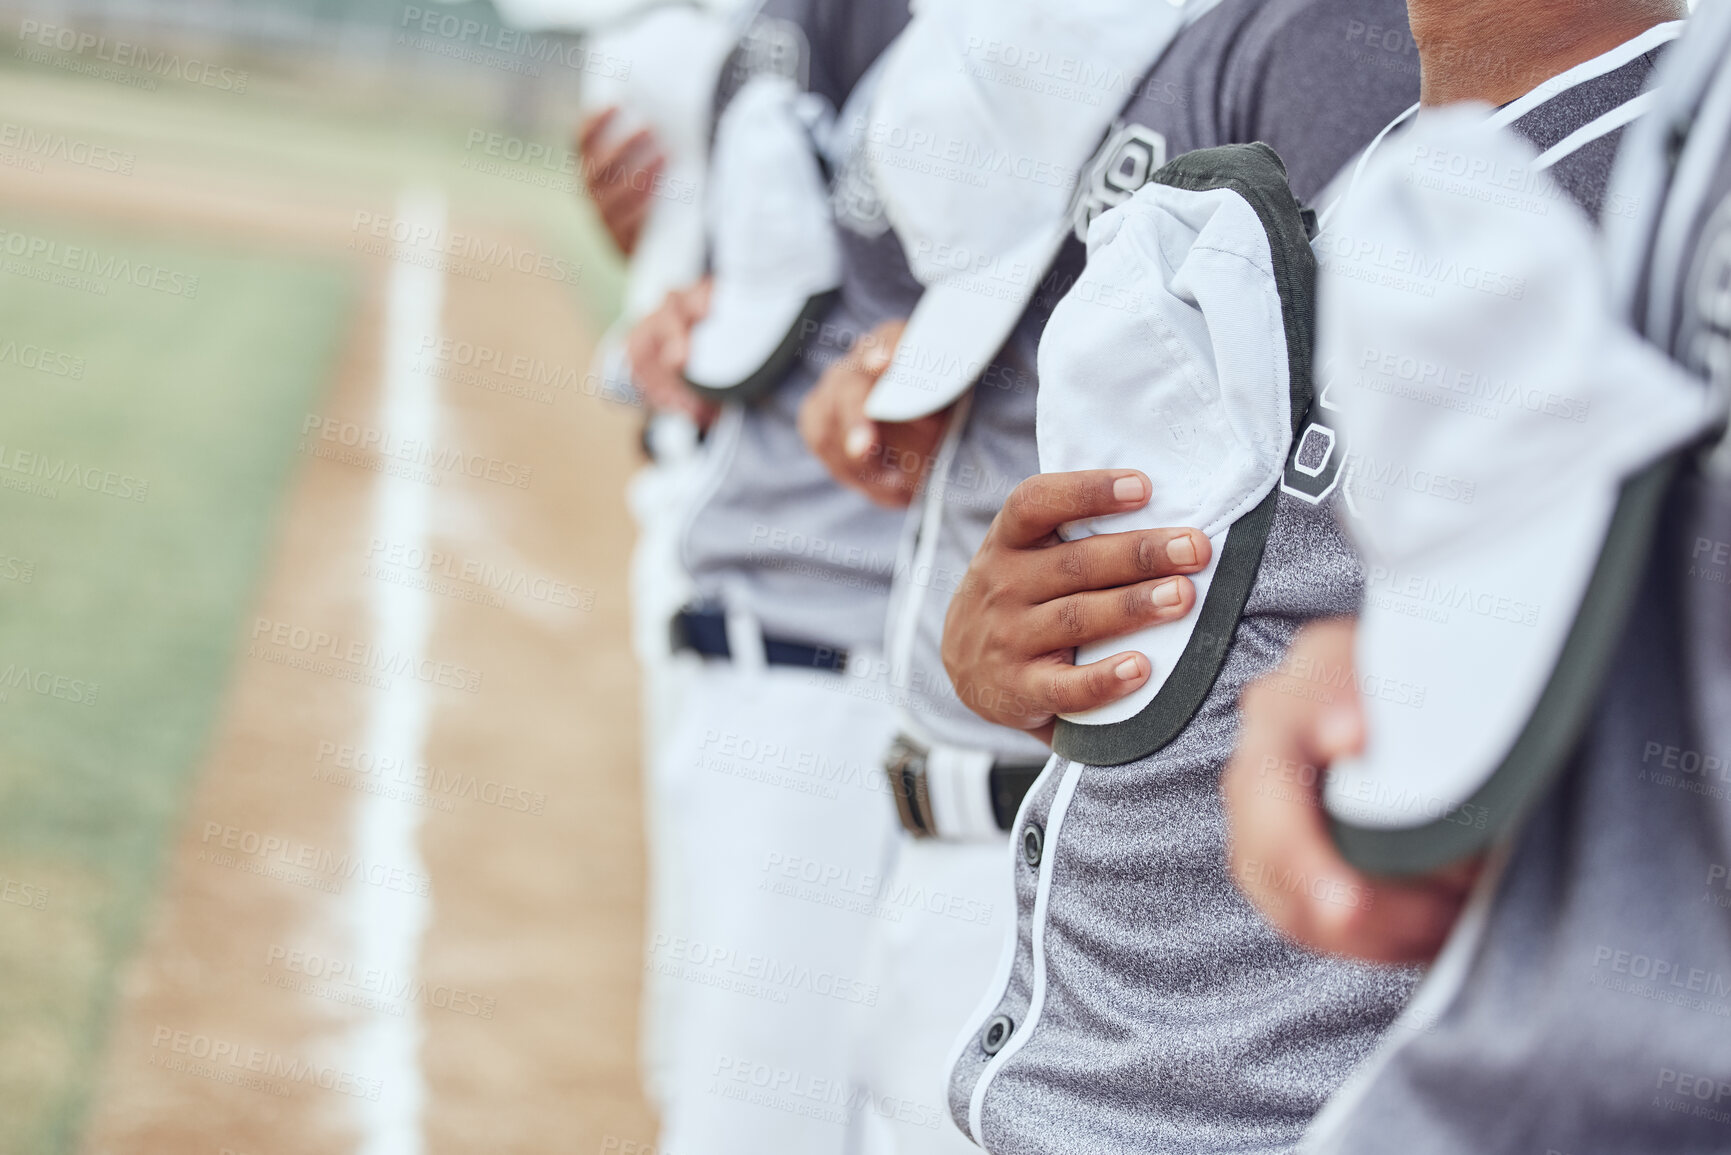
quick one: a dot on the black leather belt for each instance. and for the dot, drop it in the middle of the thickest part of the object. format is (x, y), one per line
(705, 632)
(905, 766)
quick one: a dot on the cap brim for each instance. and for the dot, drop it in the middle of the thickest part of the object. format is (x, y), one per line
(749, 341)
(1477, 673)
(957, 328)
(669, 254)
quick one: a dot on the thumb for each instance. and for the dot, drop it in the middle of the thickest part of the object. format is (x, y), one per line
(674, 351)
(862, 438)
(877, 349)
(1338, 730)
(696, 300)
(877, 357)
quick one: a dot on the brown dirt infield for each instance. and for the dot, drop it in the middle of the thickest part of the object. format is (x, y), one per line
(531, 830)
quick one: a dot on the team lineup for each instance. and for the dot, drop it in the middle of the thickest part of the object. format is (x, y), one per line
(1180, 578)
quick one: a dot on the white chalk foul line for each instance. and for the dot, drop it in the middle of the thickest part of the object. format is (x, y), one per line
(388, 924)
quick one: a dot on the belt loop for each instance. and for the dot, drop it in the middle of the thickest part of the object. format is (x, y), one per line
(867, 665)
(958, 780)
(744, 634)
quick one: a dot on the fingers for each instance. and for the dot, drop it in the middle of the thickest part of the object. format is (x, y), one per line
(1039, 691)
(889, 473)
(860, 439)
(1093, 616)
(643, 345)
(627, 224)
(903, 447)
(1280, 850)
(828, 414)
(889, 488)
(702, 412)
(1331, 908)
(1110, 560)
(676, 350)
(1396, 924)
(1060, 688)
(1278, 837)
(616, 161)
(902, 452)
(874, 351)
(871, 355)
(885, 462)
(813, 422)
(657, 347)
(1028, 600)
(884, 485)
(619, 176)
(624, 182)
(1037, 507)
(679, 314)
(591, 127)
(692, 303)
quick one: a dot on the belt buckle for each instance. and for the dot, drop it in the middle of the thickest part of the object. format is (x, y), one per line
(905, 767)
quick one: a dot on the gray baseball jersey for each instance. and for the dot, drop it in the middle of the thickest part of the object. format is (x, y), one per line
(993, 454)
(1314, 79)
(1594, 1013)
(1146, 1005)
(772, 529)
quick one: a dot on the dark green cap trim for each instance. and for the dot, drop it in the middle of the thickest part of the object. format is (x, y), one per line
(1550, 736)
(779, 364)
(1255, 173)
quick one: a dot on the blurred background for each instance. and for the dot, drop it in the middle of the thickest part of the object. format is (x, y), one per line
(319, 812)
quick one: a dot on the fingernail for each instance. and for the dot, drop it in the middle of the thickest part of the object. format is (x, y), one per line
(1337, 731)
(1181, 550)
(1128, 670)
(1167, 594)
(876, 359)
(1129, 489)
(859, 441)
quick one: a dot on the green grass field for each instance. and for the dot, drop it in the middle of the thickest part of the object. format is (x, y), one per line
(118, 615)
(186, 412)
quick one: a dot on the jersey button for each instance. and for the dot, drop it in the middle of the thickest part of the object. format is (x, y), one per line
(1033, 844)
(996, 1034)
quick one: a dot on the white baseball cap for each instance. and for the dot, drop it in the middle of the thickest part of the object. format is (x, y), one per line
(1508, 438)
(1175, 354)
(986, 112)
(775, 257)
(660, 71)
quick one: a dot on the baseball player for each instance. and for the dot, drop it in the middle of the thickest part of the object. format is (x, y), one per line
(780, 828)
(965, 437)
(1578, 1003)
(642, 147)
(959, 778)
(1574, 116)
(1144, 1001)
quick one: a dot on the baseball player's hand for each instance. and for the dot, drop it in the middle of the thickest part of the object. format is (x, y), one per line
(619, 175)
(1279, 849)
(1030, 598)
(658, 346)
(883, 460)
